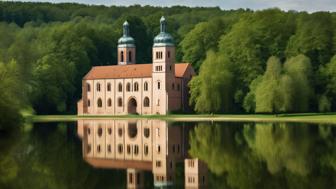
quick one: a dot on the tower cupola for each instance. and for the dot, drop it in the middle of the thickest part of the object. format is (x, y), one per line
(163, 39)
(126, 47)
(126, 40)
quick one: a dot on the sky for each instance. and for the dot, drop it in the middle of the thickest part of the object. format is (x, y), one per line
(299, 5)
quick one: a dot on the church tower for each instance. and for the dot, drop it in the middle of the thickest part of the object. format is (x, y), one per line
(163, 68)
(126, 47)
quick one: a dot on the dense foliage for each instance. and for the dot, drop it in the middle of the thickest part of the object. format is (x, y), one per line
(266, 155)
(54, 46)
(280, 62)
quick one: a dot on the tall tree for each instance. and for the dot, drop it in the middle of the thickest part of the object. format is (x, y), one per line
(211, 90)
(268, 98)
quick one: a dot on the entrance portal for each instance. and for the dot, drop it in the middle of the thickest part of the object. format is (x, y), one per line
(132, 106)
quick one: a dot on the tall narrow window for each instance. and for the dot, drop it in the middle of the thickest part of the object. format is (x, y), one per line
(146, 102)
(130, 56)
(119, 102)
(88, 87)
(120, 87)
(159, 85)
(157, 132)
(146, 149)
(109, 87)
(136, 149)
(146, 132)
(128, 149)
(98, 86)
(158, 148)
(122, 56)
(99, 103)
(130, 178)
(120, 148)
(136, 86)
(128, 87)
(146, 86)
(109, 102)
(88, 103)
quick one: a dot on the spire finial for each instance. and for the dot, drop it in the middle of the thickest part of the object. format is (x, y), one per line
(163, 24)
(126, 29)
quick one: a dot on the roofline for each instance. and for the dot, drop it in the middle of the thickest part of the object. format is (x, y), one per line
(115, 78)
(85, 77)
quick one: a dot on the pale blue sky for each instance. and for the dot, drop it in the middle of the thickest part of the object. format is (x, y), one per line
(300, 5)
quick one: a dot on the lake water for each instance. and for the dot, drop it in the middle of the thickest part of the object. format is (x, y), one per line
(153, 153)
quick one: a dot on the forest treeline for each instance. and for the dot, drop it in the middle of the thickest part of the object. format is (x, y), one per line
(247, 61)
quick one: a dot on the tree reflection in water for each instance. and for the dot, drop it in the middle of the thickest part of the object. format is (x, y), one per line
(267, 155)
(238, 155)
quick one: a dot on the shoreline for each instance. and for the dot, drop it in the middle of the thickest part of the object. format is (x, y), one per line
(329, 118)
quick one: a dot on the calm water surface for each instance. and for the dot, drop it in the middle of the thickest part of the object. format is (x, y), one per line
(158, 154)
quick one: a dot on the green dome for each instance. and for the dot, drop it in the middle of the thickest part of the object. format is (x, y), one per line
(163, 38)
(126, 40)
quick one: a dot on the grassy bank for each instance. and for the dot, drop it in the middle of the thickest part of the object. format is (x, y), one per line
(305, 117)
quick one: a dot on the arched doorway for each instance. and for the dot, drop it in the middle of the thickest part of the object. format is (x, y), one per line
(132, 106)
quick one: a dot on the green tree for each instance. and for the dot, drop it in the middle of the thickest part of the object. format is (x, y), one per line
(298, 83)
(211, 90)
(268, 98)
(199, 40)
(11, 95)
(313, 38)
(327, 101)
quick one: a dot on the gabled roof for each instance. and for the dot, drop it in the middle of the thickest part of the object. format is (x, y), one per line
(129, 71)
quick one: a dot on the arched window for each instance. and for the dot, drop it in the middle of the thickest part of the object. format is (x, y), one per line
(120, 132)
(98, 148)
(121, 56)
(158, 148)
(146, 149)
(128, 87)
(98, 86)
(146, 132)
(130, 56)
(120, 102)
(88, 103)
(136, 149)
(120, 87)
(100, 131)
(136, 86)
(159, 85)
(120, 148)
(109, 87)
(88, 87)
(99, 103)
(146, 102)
(132, 130)
(146, 86)
(109, 102)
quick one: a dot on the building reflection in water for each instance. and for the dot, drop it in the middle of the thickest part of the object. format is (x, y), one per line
(141, 145)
